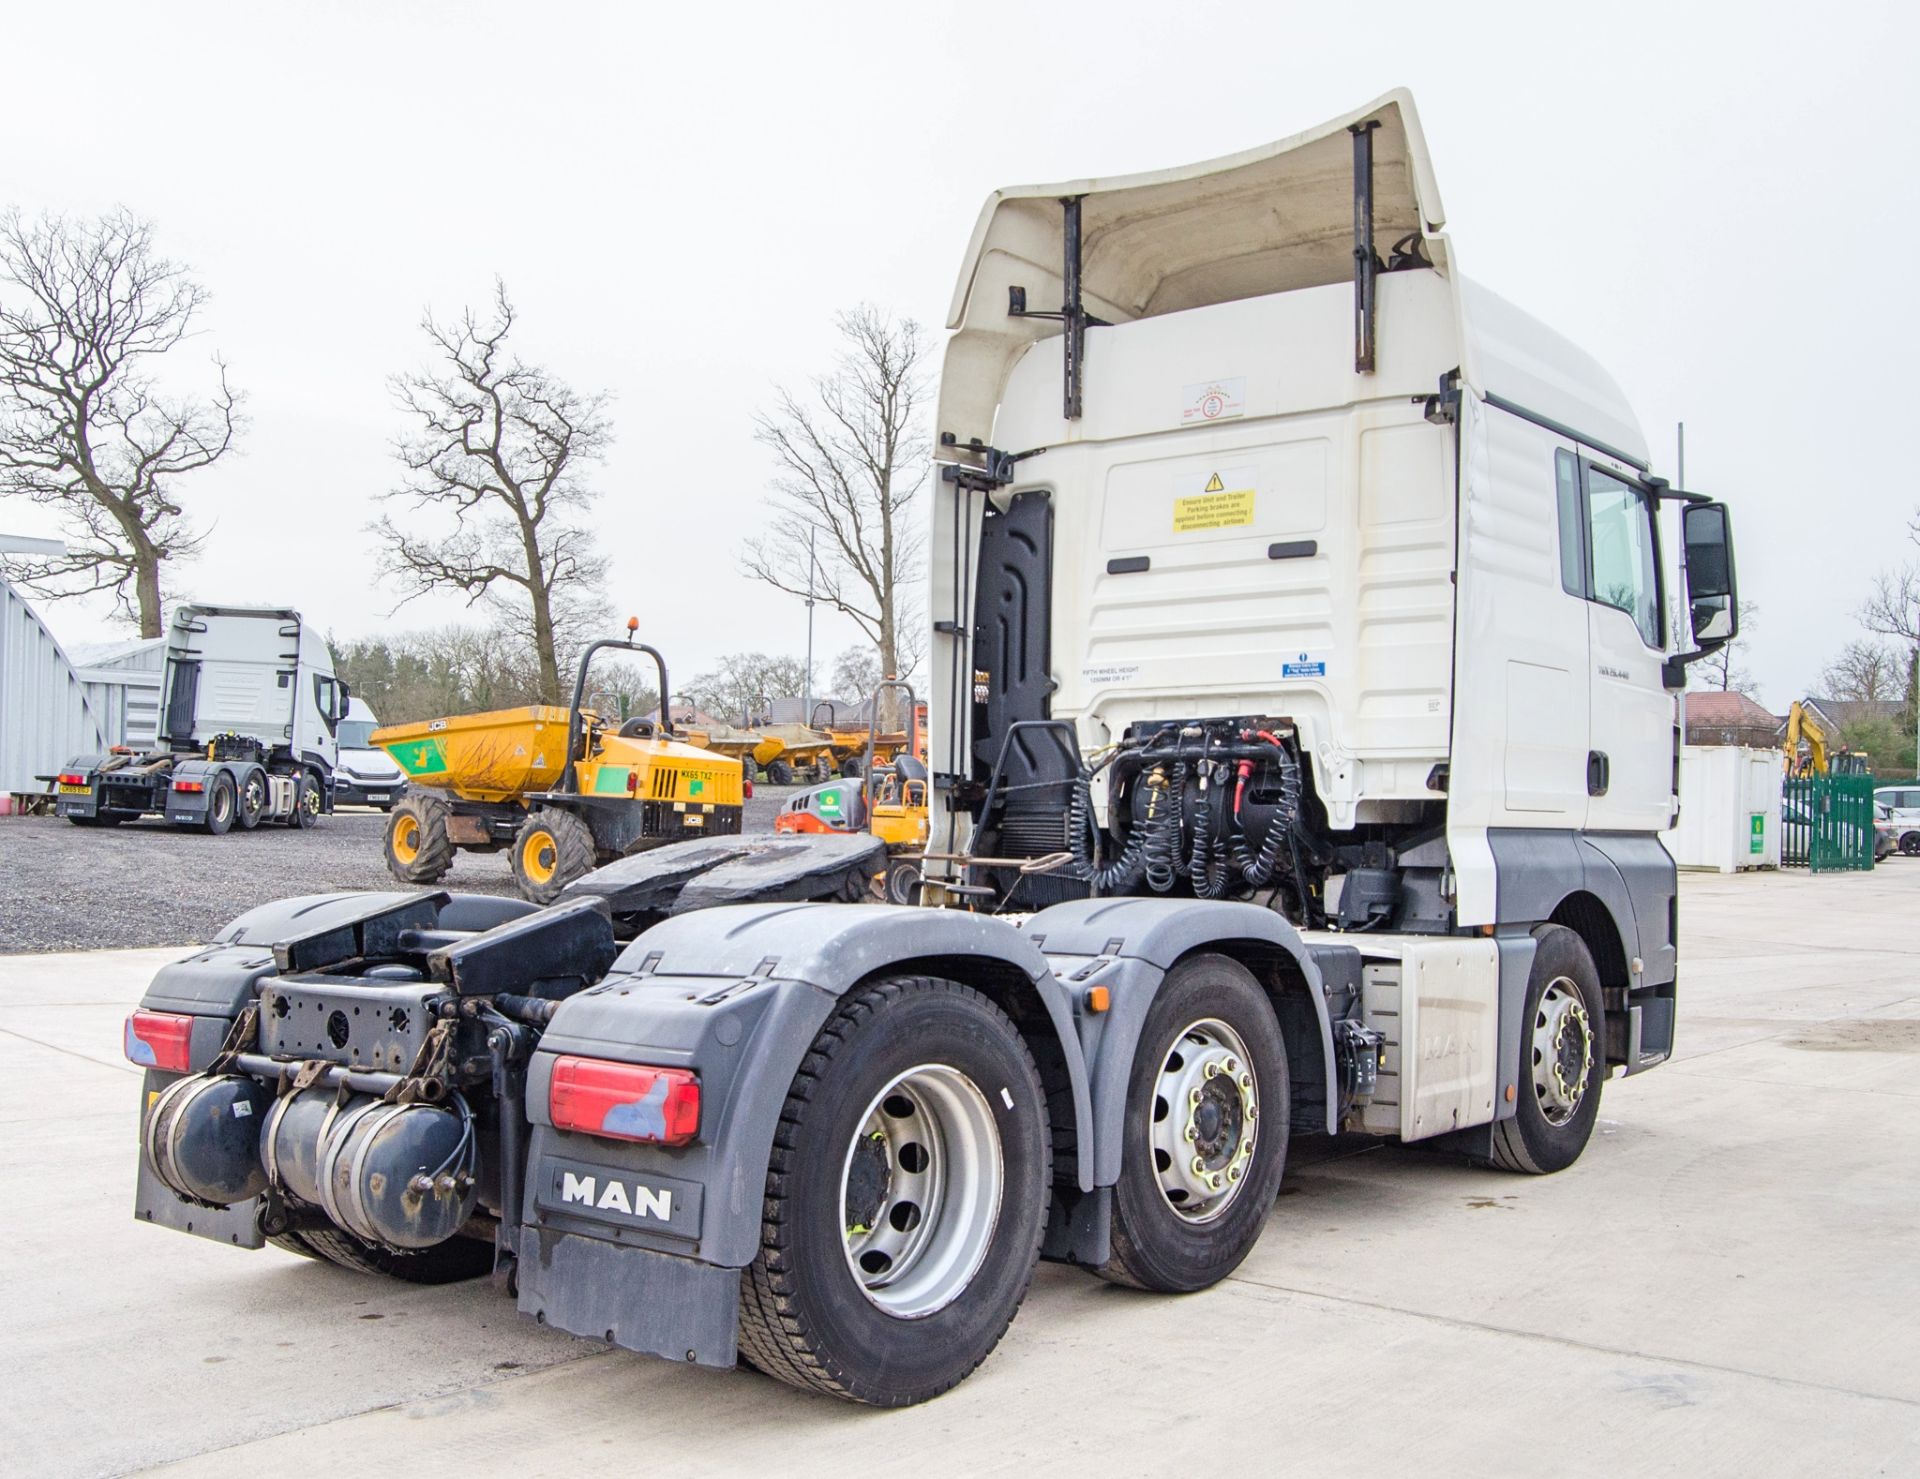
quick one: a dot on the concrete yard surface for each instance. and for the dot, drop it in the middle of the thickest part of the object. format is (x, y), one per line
(1725, 1284)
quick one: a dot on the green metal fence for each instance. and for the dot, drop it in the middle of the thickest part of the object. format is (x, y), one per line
(1826, 822)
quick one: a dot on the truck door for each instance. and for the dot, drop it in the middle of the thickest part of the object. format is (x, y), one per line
(1630, 728)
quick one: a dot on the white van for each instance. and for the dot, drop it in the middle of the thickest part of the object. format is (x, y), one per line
(366, 775)
(1903, 803)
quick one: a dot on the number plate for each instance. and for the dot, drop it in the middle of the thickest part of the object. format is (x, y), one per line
(76, 790)
(378, 795)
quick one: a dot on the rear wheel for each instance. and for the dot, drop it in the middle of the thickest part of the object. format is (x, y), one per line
(444, 1263)
(253, 799)
(223, 806)
(1910, 844)
(100, 819)
(551, 849)
(779, 773)
(1207, 1120)
(905, 1197)
(1562, 1059)
(850, 768)
(903, 881)
(418, 848)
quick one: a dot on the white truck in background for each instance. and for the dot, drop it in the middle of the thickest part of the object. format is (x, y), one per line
(249, 705)
(1303, 724)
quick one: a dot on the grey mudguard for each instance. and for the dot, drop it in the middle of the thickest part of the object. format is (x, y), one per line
(738, 994)
(1128, 945)
(1632, 875)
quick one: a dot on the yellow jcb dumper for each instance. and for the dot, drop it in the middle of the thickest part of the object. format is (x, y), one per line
(562, 789)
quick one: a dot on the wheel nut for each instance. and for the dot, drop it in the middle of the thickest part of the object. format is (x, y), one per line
(1233, 1065)
(1214, 1181)
(1192, 1134)
(1246, 1082)
(1233, 1173)
(1213, 1070)
(1193, 1097)
(1199, 1167)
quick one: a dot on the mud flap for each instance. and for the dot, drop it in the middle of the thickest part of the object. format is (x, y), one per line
(637, 1299)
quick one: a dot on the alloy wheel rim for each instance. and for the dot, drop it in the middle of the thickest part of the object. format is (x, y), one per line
(1205, 1120)
(1562, 1051)
(920, 1191)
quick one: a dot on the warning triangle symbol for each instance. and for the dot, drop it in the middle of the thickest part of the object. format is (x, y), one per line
(1214, 485)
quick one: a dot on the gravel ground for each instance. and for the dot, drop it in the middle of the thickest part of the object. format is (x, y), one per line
(64, 887)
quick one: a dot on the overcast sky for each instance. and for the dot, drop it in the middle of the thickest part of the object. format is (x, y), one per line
(1717, 201)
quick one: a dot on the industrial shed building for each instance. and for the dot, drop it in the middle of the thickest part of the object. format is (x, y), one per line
(45, 715)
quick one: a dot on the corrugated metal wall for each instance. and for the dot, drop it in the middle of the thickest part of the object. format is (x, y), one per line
(45, 718)
(122, 683)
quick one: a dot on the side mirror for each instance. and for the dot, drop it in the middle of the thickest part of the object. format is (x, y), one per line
(1712, 595)
(343, 697)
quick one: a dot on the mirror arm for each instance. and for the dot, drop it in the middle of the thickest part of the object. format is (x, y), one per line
(1673, 672)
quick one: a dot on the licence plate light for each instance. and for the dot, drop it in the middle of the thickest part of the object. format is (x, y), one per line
(161, 1040)
(625, 1101)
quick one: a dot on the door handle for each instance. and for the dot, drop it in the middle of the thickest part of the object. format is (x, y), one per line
(1598, 772)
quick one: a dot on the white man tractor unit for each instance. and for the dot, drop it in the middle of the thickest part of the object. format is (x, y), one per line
(1302, 727)
(249, 706)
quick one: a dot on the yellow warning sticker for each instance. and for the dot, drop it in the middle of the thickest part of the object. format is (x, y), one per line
(1222, 509)
(1214, 485)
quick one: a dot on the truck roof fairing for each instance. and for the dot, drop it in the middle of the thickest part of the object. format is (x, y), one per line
(1267, 220)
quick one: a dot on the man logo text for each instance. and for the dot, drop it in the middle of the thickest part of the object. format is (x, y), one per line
(613, 1197)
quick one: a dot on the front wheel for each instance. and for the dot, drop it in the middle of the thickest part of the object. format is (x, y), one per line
(905, 1197)
(1910, 844)
(1563, 1059)
(780, 773)
(551, 849)
(417, 845)
(307, 802)
(1208, 1114)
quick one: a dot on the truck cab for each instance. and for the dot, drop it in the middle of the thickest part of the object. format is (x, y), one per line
(250, 707)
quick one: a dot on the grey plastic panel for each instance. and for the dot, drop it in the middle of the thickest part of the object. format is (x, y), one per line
(1140, 939)
(219, 981)
(738, 995)
(1647, 872)
(1538, 869)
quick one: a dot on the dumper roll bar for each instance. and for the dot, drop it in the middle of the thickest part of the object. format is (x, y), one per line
(580, 696)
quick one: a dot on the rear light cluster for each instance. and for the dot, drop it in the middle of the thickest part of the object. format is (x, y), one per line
(625, 1101)
(189, 786)
(161, 1040)
(72, 780)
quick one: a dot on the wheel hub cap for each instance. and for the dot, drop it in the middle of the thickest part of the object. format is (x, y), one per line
(1562, 1051)
(920, 1190)
(1206, 1112)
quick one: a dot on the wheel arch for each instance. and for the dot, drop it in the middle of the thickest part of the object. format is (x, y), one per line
(1589, 917)
(1301, 1009)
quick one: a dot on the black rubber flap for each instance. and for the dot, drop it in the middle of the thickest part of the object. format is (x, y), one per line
(572, 941)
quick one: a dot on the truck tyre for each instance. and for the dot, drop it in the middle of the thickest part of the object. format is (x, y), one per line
(444, 1263)
(253, 799)
(552, 848)
(223, 806)
(823, 769)
(850, 768)
(903, 881)
(418, 848)
(1207, 1119)
(779, 773)
(905, 1198)
(1563, 1059)
(307, 801)
(100, 819)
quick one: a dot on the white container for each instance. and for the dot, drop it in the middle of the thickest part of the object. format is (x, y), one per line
(1729, 809)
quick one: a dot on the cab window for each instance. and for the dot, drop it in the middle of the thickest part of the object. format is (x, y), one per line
(1623, 559)
(323, 695)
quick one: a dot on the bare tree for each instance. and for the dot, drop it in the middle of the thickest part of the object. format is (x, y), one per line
(1865, 672)
(853, 456)
(86, 308)
(743, 680)
(495, 457)
(1893, 609)
(1720, 670)
(856, 672)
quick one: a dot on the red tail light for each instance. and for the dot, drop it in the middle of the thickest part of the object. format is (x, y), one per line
(161, 1040)
(746, 790)
(625, 1101)
(73, 780)
(189, 786)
